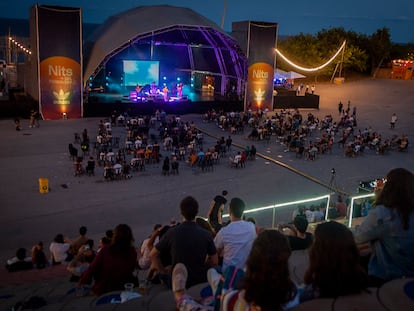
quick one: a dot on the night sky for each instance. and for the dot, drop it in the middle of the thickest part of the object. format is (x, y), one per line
(296, 17)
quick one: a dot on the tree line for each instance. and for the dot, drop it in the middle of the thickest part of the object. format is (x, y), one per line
(363, 53)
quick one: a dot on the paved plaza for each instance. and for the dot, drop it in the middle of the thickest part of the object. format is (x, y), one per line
(28, 216)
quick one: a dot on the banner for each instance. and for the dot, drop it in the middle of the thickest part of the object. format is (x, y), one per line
(261, 44)
(59, 37)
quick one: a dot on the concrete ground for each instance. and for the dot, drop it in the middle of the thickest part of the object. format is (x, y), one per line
(28, 216)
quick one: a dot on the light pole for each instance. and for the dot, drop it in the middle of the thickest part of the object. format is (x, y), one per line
(224, 13)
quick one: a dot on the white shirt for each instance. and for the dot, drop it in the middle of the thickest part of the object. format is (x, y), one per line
(59, 251)
(236, 240)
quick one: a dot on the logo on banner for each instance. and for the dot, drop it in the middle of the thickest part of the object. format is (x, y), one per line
(59, 79)
(260, 86)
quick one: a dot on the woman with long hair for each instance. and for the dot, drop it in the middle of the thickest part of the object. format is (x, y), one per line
(389, 228)
(267, 283)
(114, 264)
(334, 265)
(265, 286)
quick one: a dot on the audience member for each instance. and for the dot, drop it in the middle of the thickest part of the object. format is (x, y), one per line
(189, 244)
(144, 261)
(234, 241)
(341, 207)
(205, 225)
(59, 250)
(334, 264)
(109, 234)
(266, 285)
(165, 257)
(104, 241)
(82, 260)
(114, 265)
(39, 258)
(253, 221)
(19, 262)
(301, 238)
(79, 241)
(389, 228)
(215, 211)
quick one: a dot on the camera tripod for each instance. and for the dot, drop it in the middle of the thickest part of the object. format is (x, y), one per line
(332, 181)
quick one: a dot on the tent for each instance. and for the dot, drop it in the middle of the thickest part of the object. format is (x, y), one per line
(294, 75)
(280, 74)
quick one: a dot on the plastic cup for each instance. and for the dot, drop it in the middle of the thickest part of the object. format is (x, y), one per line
(142, 289)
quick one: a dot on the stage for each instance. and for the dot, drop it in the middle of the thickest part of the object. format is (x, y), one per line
(103, 104)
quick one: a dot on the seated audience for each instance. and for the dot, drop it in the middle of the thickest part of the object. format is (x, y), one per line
(79, 241)
(104, 241)
(265, 286)
(81, 261)
(114, 264)
(300, 239)
(39, 258)
(205, 225)
(334, 264)
(59, 250)
(165, 257)
(19, 262)
(341, 207)
(187, 243)
(389, 228)
(144, 261)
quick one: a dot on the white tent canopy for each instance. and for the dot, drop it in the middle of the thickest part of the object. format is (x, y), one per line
(281, 74)
(294, 75)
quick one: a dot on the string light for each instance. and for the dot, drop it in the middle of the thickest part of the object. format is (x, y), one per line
(314, 68)
(20, 46)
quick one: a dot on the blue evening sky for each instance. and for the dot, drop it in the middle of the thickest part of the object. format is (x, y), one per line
(361, 16)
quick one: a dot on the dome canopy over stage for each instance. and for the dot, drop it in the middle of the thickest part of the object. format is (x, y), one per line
(163, 45)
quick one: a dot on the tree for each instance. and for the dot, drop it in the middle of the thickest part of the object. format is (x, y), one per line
(363, 53)
(379, 47)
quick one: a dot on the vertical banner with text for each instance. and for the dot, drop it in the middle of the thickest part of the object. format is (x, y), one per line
(59, 33)
(261, 44)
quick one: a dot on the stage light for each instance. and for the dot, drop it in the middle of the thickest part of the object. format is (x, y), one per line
(64, 116)
(164, 78)
(90, 78)
(178, 79)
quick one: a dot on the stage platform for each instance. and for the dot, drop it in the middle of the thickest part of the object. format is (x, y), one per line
(103, 104)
